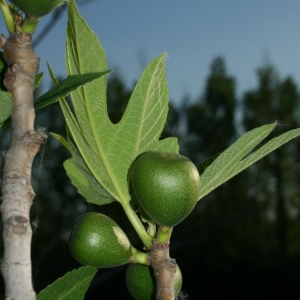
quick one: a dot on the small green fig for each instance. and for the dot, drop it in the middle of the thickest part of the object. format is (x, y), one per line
(37, 8)
(141, 284)
(166, 186)
(98, 241)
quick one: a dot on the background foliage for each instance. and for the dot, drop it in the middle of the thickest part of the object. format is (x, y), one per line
(243, 238)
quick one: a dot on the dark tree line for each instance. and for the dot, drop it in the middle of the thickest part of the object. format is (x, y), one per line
(243, 239)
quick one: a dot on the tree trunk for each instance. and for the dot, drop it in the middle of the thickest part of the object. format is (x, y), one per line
(17, 192)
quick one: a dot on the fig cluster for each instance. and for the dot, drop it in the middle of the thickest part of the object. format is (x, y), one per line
(166, 186)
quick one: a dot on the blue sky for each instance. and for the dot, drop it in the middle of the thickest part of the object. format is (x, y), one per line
(192, 33)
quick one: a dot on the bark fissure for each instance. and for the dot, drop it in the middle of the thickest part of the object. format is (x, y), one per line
(17, 192)
(164, 269)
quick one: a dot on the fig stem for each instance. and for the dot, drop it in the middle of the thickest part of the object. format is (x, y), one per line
(139, 257)
(137, 225)
(164, 234)
(9, 22)
(30, 24)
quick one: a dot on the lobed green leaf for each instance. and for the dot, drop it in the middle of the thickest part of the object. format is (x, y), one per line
(265, 150)
(72, 286)
(108, 149)
(225, 164)
(83, 179)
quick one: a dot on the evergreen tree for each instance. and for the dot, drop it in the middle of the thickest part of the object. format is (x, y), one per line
(210, 120)
(221, 222)
(274, 180)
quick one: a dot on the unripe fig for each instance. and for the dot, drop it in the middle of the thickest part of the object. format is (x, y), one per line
(37, 8)
(141, 284)
(98, 241)
(166, 186)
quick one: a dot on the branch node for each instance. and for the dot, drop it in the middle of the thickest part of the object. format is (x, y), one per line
(3, 40)
(18, 224)
(10, 75)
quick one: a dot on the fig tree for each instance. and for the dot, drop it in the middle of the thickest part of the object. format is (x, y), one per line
(141, 284)
(166, 186)
(98, 241)
(37, 8)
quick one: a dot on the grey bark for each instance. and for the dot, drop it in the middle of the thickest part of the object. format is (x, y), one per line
(17, 192)
(164, 269)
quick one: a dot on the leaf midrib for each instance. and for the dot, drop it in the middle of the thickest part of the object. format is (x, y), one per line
(101, 151)
(98, 144)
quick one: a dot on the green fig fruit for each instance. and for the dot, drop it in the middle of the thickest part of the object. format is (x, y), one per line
(166, 186)
(37, 8)
(141, 284)
(98, 241)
